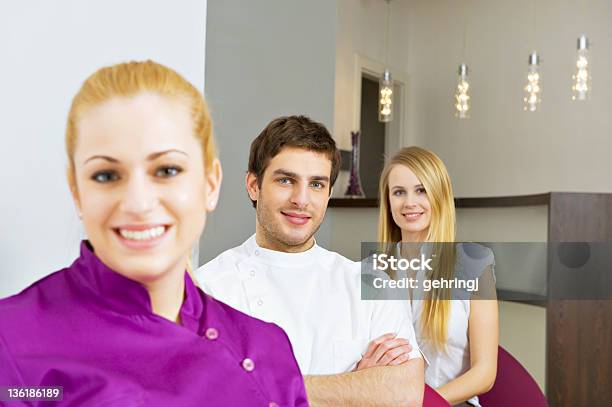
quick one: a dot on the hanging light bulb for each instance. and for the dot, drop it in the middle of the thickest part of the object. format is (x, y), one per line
(462, 96)
(582, 78)
(385, 82)
(533, 88)
(385, 97)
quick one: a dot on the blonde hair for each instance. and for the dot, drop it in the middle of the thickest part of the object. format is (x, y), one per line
(130, 79)
(432, 173)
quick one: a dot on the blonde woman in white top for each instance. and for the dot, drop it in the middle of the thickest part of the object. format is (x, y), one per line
(458, 337)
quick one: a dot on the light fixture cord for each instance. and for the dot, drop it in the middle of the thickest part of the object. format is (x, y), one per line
(464, 40)
(387, 34)
(534, 31)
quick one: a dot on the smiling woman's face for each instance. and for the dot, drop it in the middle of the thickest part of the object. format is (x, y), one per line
(140, 184)
(410, 206)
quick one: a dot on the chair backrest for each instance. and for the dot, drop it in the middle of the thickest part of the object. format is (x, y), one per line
(513, 385)
(432, 399)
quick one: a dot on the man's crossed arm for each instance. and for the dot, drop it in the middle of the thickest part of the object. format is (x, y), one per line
(383, 377)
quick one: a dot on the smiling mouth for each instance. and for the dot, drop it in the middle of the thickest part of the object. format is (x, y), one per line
(141, 235)
(413, 215)
(296, 218)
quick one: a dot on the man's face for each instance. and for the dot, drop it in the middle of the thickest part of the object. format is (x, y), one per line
(292, 199)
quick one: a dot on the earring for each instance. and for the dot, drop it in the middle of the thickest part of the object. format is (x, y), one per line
(211, 203)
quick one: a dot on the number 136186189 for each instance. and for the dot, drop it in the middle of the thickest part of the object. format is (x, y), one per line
(31, 393)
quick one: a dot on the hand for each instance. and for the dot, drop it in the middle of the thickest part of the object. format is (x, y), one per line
(386, 350)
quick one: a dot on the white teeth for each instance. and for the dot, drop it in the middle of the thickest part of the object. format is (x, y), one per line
(147, 234)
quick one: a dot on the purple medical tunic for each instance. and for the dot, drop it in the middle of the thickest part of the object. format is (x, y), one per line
(92, 331)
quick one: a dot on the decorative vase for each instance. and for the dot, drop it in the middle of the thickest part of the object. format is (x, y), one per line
(354, 189)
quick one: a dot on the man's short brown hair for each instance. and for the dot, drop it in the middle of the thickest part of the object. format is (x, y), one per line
(292, 131)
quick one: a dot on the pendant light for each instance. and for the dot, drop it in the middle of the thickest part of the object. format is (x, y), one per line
(533, 88)
(385, 83)
(582, 77)
(461, 99)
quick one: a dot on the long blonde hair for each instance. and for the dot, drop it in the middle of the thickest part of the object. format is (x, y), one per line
(132, 78)
(432, 173)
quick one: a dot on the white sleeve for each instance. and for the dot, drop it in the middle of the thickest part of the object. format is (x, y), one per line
(206, 276)
(393, 316)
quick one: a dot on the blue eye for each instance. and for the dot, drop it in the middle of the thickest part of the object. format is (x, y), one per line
(284, 181)
(398, 192)
(104, 177)
(317, 185)
(167, 172)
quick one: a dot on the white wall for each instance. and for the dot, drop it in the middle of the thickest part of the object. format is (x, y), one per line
(503, 150)
(265, 59)
(48, 49)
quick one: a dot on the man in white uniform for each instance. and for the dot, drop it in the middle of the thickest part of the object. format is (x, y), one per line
(352, 352)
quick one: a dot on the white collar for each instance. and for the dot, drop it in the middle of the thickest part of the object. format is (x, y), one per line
(276, 258)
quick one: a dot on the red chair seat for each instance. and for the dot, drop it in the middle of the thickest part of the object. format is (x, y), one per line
(432, 399)
(513, 385)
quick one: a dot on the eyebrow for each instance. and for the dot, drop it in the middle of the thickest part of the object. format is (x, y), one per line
(291, 174)
(400, 186)
(150, 157)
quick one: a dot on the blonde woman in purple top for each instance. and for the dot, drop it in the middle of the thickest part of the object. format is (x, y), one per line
(125, 325)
